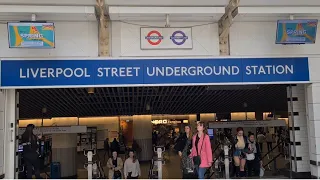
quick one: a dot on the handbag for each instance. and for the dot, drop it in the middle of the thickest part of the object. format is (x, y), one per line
(250, 157)
(261, 172)
(197, 159)
(117, 175)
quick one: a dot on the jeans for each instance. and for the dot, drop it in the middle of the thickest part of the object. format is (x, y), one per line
(201, 171)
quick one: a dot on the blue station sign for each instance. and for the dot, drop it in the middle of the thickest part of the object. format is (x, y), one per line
(134, 72)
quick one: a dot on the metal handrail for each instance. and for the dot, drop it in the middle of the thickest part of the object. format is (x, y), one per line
(272, 150)
(273, 159)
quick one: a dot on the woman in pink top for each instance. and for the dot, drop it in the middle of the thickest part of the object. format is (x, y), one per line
(201, 150)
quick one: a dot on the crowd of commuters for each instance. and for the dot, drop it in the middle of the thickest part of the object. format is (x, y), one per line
(194, 148)
(130, 169)
(196, 153)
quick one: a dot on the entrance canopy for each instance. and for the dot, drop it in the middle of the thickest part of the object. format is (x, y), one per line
(151, 72)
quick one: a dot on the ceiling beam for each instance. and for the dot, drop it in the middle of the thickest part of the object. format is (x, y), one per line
(225, 23)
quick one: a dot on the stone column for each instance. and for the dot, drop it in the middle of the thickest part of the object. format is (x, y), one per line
(64, 151)
(142, 133)
(300, 131)
(193, 122)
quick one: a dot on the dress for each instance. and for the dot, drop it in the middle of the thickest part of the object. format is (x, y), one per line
(186, 161)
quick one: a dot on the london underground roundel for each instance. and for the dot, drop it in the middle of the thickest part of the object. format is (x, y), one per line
(154, 38)
(178, 37)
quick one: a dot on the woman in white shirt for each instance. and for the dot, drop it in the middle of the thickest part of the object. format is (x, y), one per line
(132, 167)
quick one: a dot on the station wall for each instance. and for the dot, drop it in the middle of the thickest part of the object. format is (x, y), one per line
(257, 39)
(73, 39)
(126, 40)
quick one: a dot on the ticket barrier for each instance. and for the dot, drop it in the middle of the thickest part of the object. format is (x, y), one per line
(95, 171)
(157, 163)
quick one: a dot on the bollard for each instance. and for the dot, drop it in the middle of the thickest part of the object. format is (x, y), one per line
(226, 161)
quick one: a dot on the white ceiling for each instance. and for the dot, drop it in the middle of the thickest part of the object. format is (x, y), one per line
(142, 16)
(167, 2)
(178, 14)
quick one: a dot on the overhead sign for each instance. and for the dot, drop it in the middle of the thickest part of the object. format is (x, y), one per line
(134, 72)
(31, 35)
(56, 130)
(296, 31)
(166, 38)
(246, 123)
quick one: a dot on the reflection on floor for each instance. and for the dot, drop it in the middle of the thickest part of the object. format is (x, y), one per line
(171, 170)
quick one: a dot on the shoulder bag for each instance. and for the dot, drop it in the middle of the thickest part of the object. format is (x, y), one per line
(197, 159)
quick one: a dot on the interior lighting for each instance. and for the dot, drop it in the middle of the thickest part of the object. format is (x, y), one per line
(90, 90)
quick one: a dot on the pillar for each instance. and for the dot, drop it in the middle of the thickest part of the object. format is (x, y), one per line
(313, 107)
(2, 133)
(193, 122)
(64, 151)
(10, 120)
(300, 130)
(259, 115)
(142, 133)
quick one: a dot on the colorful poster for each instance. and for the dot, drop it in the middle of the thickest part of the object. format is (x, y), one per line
(31, 35)
(296, 31)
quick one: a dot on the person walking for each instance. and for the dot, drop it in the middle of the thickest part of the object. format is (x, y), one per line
(254, 160)
(115, 165)
(201, 151)
(261, 139)
(239, 153)
(269, 140)
(106, 149)
(115, 146)
(132, 167)
(184, 146)
(30, 152)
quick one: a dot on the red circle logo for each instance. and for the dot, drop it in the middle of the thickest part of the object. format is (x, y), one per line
(154, 38)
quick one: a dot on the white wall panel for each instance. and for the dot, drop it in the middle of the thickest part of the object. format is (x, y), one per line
(126, 40)
(73, 39)
(258, 39)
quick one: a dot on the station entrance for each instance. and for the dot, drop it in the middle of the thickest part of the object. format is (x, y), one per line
(132, 114)
(77, 111)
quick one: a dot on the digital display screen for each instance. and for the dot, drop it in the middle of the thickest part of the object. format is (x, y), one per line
(210, 133)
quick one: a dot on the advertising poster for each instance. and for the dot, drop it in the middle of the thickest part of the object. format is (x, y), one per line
(31, 35)
(296, 31)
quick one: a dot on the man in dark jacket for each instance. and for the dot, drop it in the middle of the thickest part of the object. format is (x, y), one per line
(115, 146)
(106, 149)
(30, 152)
